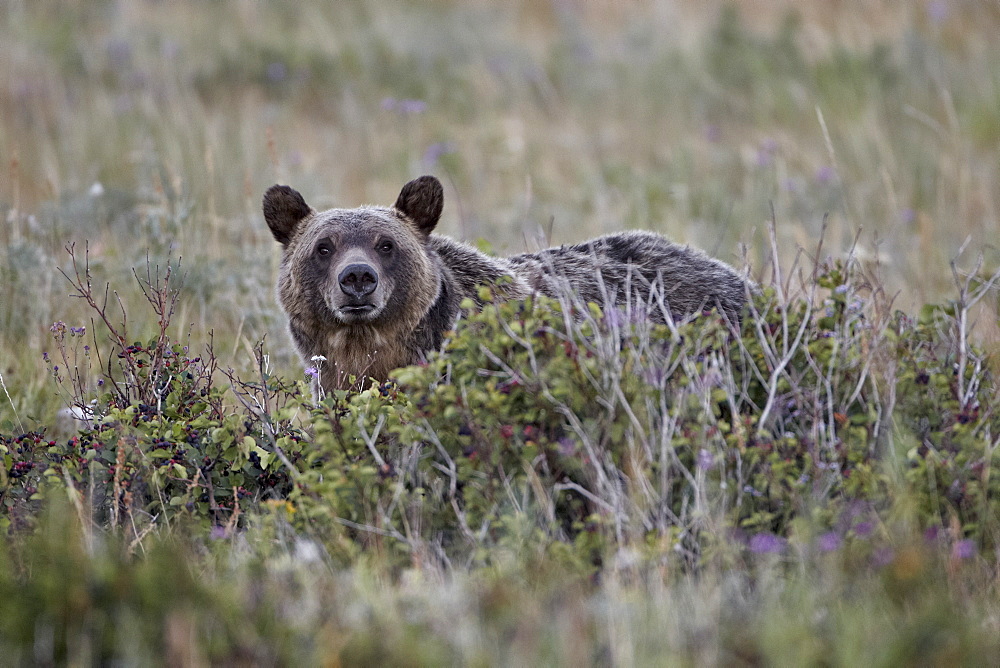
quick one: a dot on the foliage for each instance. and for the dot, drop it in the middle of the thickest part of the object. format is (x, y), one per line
(157, 441)
(560, 485)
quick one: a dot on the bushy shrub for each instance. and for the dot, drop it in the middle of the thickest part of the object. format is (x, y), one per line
(157, 437)
(582, 432)
(551, 428)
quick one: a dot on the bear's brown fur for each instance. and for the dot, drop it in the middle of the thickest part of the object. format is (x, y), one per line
(371, 289)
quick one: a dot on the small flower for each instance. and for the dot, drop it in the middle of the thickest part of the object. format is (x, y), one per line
(119, 53)
(765, 152)
(828, 542)
(767, 543)
(883, 557)
(312, 372)
(405, 107)
(317, 358)
(276, 72)
(436, 150)
(705, 459)
(864, 529)
(938, 11)
(77, 331)
(825, 174)
(964, 549)
(841, 289)
(411, 107)
(566, 446)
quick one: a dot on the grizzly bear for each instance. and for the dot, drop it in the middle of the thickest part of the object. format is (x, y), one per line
(370, 289)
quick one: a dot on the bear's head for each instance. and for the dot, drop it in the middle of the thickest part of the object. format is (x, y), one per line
(365, 267)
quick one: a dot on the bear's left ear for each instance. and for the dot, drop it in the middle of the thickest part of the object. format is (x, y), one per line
(284, 209)
(421, 200)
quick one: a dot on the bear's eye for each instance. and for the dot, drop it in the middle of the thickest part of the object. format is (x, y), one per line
(385, 247)
(324, 249)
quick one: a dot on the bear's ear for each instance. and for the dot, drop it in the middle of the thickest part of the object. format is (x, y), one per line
(421, 200)
(284, 208)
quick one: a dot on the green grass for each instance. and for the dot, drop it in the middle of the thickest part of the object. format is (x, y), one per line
(150, 130)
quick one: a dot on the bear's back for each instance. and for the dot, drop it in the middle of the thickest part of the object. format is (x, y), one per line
(633, 269)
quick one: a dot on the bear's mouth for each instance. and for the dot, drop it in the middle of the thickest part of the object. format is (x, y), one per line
(356, 312)
(357, 308)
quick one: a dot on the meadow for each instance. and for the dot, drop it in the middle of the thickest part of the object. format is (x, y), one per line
(814, 489)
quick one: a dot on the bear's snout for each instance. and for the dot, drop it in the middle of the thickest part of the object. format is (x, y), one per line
(358, 280)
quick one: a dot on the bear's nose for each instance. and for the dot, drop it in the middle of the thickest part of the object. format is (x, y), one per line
(358, 280)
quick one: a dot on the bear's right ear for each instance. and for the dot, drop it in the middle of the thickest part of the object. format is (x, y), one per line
(421, 200)
(284, 208)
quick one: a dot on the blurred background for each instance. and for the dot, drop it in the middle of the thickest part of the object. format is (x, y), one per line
(150, 129)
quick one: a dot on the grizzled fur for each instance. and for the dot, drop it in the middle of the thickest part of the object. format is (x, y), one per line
(371, 289)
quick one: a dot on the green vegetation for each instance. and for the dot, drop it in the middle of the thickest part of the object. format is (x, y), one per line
(559, 485)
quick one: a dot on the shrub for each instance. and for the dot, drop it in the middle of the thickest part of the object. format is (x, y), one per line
(550, 428)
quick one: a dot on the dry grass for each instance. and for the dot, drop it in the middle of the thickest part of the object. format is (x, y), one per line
(549, 122)
(150, 129)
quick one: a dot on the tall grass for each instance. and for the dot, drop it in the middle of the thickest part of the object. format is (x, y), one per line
(143, 134)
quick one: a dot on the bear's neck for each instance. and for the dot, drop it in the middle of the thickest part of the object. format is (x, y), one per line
(361, 352)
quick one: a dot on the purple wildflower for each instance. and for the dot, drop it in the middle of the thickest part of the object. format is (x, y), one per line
(705, 459)
(964, 549)
(864, 529)
(616, 317)
(828, 542)
(170, 49)
(882, 557)
(567, 447)
(312, 372)
(119, 53)
(276, 72)
(825, 175)
(436, 150)
(938, 11)
(765, 152)
(411, 107)
(767, 543)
